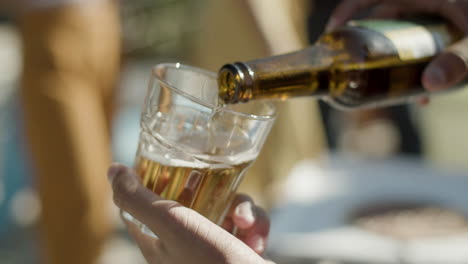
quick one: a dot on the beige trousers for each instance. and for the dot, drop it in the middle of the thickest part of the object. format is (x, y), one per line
(71, 61)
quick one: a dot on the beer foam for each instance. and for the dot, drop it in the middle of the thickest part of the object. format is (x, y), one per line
(239, 158)
(171, 160)
(185, 153)
(196, 161)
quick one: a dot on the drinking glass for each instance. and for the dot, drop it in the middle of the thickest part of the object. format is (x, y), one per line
(192, 148)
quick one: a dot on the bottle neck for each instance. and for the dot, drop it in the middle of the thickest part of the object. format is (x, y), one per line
(301, 73)
(236, 83)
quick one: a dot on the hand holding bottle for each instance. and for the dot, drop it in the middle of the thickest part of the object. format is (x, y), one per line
(448, 68)
(184, 235)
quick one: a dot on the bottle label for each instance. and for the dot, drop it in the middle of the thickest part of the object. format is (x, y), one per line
(412, 40)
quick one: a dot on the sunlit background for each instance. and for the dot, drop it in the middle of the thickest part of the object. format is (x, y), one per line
(387, 186)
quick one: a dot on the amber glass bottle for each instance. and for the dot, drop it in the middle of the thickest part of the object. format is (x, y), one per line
(365, 64)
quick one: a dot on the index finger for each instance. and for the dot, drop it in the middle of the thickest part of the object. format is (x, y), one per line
(141, 203)
(347, 9)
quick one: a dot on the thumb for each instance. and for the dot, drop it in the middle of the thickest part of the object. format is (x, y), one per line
(447, 69)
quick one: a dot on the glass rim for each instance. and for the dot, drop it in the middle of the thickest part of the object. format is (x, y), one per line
(210, 74)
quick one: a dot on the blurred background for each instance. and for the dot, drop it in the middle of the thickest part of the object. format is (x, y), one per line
(386, 186)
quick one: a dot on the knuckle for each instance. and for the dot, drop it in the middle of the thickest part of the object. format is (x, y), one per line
(201, 231)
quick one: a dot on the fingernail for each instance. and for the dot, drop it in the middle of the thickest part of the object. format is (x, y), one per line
(435, 77)
(245, 211)
(332, 23)
(258, 244)
(113, 171)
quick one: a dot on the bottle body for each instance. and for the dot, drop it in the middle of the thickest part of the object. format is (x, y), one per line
(366, 64)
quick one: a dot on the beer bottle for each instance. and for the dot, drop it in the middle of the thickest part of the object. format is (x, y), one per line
(365, 64)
